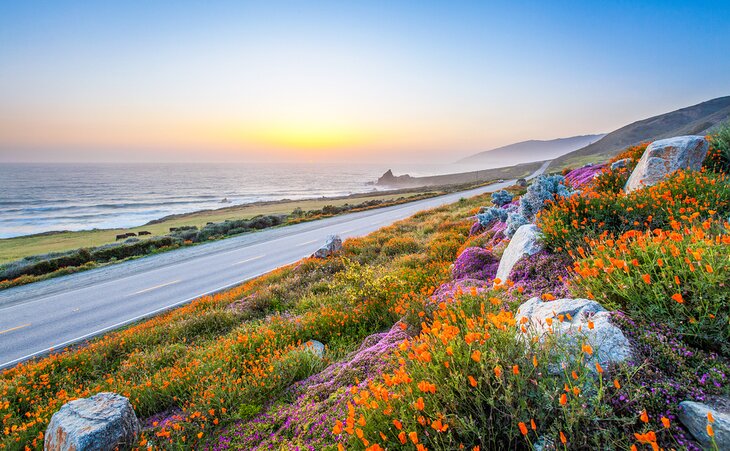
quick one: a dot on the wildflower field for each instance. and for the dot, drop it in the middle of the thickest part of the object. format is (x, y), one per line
(424, 348)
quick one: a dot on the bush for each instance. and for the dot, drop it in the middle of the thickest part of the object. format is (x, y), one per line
(718, 157)
(678, 276)
(544, 272)
(572, 222)
(469, 381)
(500, 198)
(475, 263)
(613, 180)
(544, 189)
(492, 214)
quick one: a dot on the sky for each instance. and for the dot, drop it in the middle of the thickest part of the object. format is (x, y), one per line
(342, 81)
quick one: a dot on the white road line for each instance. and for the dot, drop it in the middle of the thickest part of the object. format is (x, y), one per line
(306, 242)
(14, 328)
(138, 317)
(249, 260)
(347, 231)
(155, 287)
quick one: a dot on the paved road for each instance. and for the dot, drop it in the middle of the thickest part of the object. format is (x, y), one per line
(40, 317)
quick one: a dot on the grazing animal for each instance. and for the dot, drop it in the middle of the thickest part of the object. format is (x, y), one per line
(122, 236)
(144, 232)
(131, 234)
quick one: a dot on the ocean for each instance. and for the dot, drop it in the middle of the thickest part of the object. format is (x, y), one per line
(37, 198)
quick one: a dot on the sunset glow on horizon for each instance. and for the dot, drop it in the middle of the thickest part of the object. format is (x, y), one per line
(290, 81)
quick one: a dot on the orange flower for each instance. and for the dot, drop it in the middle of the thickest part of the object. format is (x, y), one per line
(644, 417)
(533, 425)
(413, 436)
(419, 404)
(498, 371)
(563, 399)
(678, 297)
(472, 381)
(646, 278)
(599, 369)
(398, 425)
(665, 422)
(710, 418)
(515, 370)
(523, 428)
(563, 440)
(710, 431)
(338, 428)
(476, 355)
(548, 297)
(616, 384)
(587, 349)
(402, 437)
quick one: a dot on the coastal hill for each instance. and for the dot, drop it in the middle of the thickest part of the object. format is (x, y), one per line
(526, 151)
(693, 120)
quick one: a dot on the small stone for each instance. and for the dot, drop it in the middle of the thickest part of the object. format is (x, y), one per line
(332, 245)
(620, 163)
(105, 421)
(317, 347)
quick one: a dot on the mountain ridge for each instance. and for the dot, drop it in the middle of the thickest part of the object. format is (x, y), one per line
(525, 151)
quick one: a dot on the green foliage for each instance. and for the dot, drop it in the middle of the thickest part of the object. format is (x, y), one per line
(718, 158)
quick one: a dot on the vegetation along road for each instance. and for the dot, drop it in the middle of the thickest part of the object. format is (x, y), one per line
(40, 317)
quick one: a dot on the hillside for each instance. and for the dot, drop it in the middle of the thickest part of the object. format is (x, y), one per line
(532, 150)
(694, 120)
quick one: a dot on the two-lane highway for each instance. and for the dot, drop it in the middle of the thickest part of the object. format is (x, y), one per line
(40, 317)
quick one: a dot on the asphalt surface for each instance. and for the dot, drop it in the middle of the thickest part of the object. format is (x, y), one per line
(37, 318)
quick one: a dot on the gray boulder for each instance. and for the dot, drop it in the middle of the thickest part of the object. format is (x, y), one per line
(609, 344)
(665, 156)
(523, 243)
(620, 164)
(332, 245)
(693, 416)
(105, 421)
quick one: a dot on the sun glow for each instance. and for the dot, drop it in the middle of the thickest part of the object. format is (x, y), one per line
(309, 137)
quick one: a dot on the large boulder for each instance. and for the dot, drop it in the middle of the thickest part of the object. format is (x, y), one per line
(332, 245)
(578, 320)
(105, 421)
(523, 243)
(665, 156)
(693, 416)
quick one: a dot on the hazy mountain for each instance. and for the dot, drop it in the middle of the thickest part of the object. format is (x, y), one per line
(694, 120)
(533, 150)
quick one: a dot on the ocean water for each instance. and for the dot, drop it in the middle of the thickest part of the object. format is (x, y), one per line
(38, 198)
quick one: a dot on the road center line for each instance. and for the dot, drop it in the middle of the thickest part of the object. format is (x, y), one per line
(14, 328)
(306, 242)
(249, 259)
(155, 287)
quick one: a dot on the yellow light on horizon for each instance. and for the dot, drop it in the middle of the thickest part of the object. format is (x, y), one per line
(305, 137)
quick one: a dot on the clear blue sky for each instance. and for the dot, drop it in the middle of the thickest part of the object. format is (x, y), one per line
(309, 80)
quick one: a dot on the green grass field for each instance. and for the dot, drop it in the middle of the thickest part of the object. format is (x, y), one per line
(19, 247)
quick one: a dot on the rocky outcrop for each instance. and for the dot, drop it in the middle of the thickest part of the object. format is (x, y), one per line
(389, 179)
(665, 156)
(332, 245)
(579, 320)
(524, 242)
(693, 416)
(105, 421)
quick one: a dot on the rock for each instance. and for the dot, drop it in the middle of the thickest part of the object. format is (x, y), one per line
(523, 242)
(620, 164)
(332, 245)
(521, 182)
(693, 416)
(665, 156)
(609, 344)
(317, 347)
(389, 179)
(544, 443)
(104, 421)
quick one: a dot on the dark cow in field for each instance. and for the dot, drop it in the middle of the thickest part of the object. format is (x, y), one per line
(144, 232)
(131, 234)
(122, 236)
